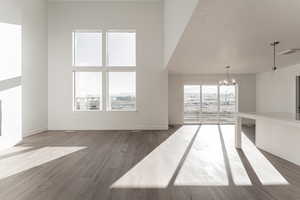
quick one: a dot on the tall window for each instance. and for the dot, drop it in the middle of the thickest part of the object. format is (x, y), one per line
(210, 98)
(121, 48)
(209, 103)
(87, 49)
(192, 102)
(88, 91)
(10, 51)
(227, 99)
(104, 68)
(122, 91)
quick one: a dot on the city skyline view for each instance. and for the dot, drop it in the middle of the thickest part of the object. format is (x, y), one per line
(209, 103)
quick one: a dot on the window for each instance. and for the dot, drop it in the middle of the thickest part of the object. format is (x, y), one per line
(10, 51)
(88, 91)
(210, 104)
(121, 49)
(112, 79)
(87, 50)
(227, 99)
(192, 102)
(210, 98)
(122, 91)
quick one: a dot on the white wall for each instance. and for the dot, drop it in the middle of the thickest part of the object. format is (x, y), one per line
(177, 14)
(247, 93)
(152, 79)
(276, 91)
(35, 65)
(31, 16)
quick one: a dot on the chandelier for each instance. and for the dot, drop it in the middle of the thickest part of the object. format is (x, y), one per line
(228, 80)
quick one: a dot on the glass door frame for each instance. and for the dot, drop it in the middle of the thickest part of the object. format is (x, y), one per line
(218, 99)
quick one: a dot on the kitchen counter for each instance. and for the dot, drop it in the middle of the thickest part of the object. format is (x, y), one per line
(277, 133)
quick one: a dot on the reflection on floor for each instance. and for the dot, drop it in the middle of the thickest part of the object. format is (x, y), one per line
(157, 169)
(210, 169)
(189, 162)
(13, 150)
(28, 160)
(208, 162)
(266, 172)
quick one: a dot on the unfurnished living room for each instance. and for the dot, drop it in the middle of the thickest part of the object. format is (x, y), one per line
(149, 100)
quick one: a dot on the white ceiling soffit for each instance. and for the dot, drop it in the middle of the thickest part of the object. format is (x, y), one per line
(237, 33)
(177, 15)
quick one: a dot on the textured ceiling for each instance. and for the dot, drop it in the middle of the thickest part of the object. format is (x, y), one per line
(237, 33)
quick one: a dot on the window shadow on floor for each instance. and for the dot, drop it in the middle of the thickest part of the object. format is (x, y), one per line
(90, 172)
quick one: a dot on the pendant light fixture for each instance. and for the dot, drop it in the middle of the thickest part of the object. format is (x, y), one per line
(274, 44)
(228, 80)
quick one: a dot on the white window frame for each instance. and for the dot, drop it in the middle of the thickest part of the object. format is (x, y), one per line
(201, 101)
(106, 43)
(107, 91)
(74, 92)
(73, 47)
(104, 68)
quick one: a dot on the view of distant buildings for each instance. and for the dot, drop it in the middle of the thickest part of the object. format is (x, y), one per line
(194, 111)
(123, 103)
(117, 103)
(87, 103)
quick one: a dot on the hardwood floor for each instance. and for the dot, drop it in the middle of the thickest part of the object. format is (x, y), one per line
(184, 163)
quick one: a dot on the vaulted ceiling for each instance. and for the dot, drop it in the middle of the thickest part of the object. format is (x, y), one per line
(237, 33)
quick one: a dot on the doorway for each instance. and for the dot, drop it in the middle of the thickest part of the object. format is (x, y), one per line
(210, 104)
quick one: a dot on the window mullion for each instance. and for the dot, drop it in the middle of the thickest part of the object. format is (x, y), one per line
(122, 69)
(201, 110)
(74, 91)
(104, 49)
(104, 74)
(73, 49)
(104, 90)
(219, 100)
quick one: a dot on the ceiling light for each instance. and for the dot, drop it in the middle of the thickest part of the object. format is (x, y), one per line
(274, 44)
(228, 80)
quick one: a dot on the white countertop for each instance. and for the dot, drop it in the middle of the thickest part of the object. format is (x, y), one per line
(289, 118)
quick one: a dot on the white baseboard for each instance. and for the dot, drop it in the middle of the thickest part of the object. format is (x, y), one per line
(34, 132)
(153, 127)
(120, 128)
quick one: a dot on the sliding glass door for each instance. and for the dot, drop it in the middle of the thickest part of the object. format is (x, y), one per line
(192, 99)
(209, 104)
(228, 102)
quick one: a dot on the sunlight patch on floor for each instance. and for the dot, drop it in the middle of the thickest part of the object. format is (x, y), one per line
(237, 169)
(212, 160)
(265, 171)
(204, 165)
(13, 150)
(20, 163)
(157, 169)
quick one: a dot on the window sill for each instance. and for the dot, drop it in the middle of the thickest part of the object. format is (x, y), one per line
(88, 111)
(122, 111)
(108, 111)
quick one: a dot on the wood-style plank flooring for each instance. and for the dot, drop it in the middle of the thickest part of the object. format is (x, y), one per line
(184, 163)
